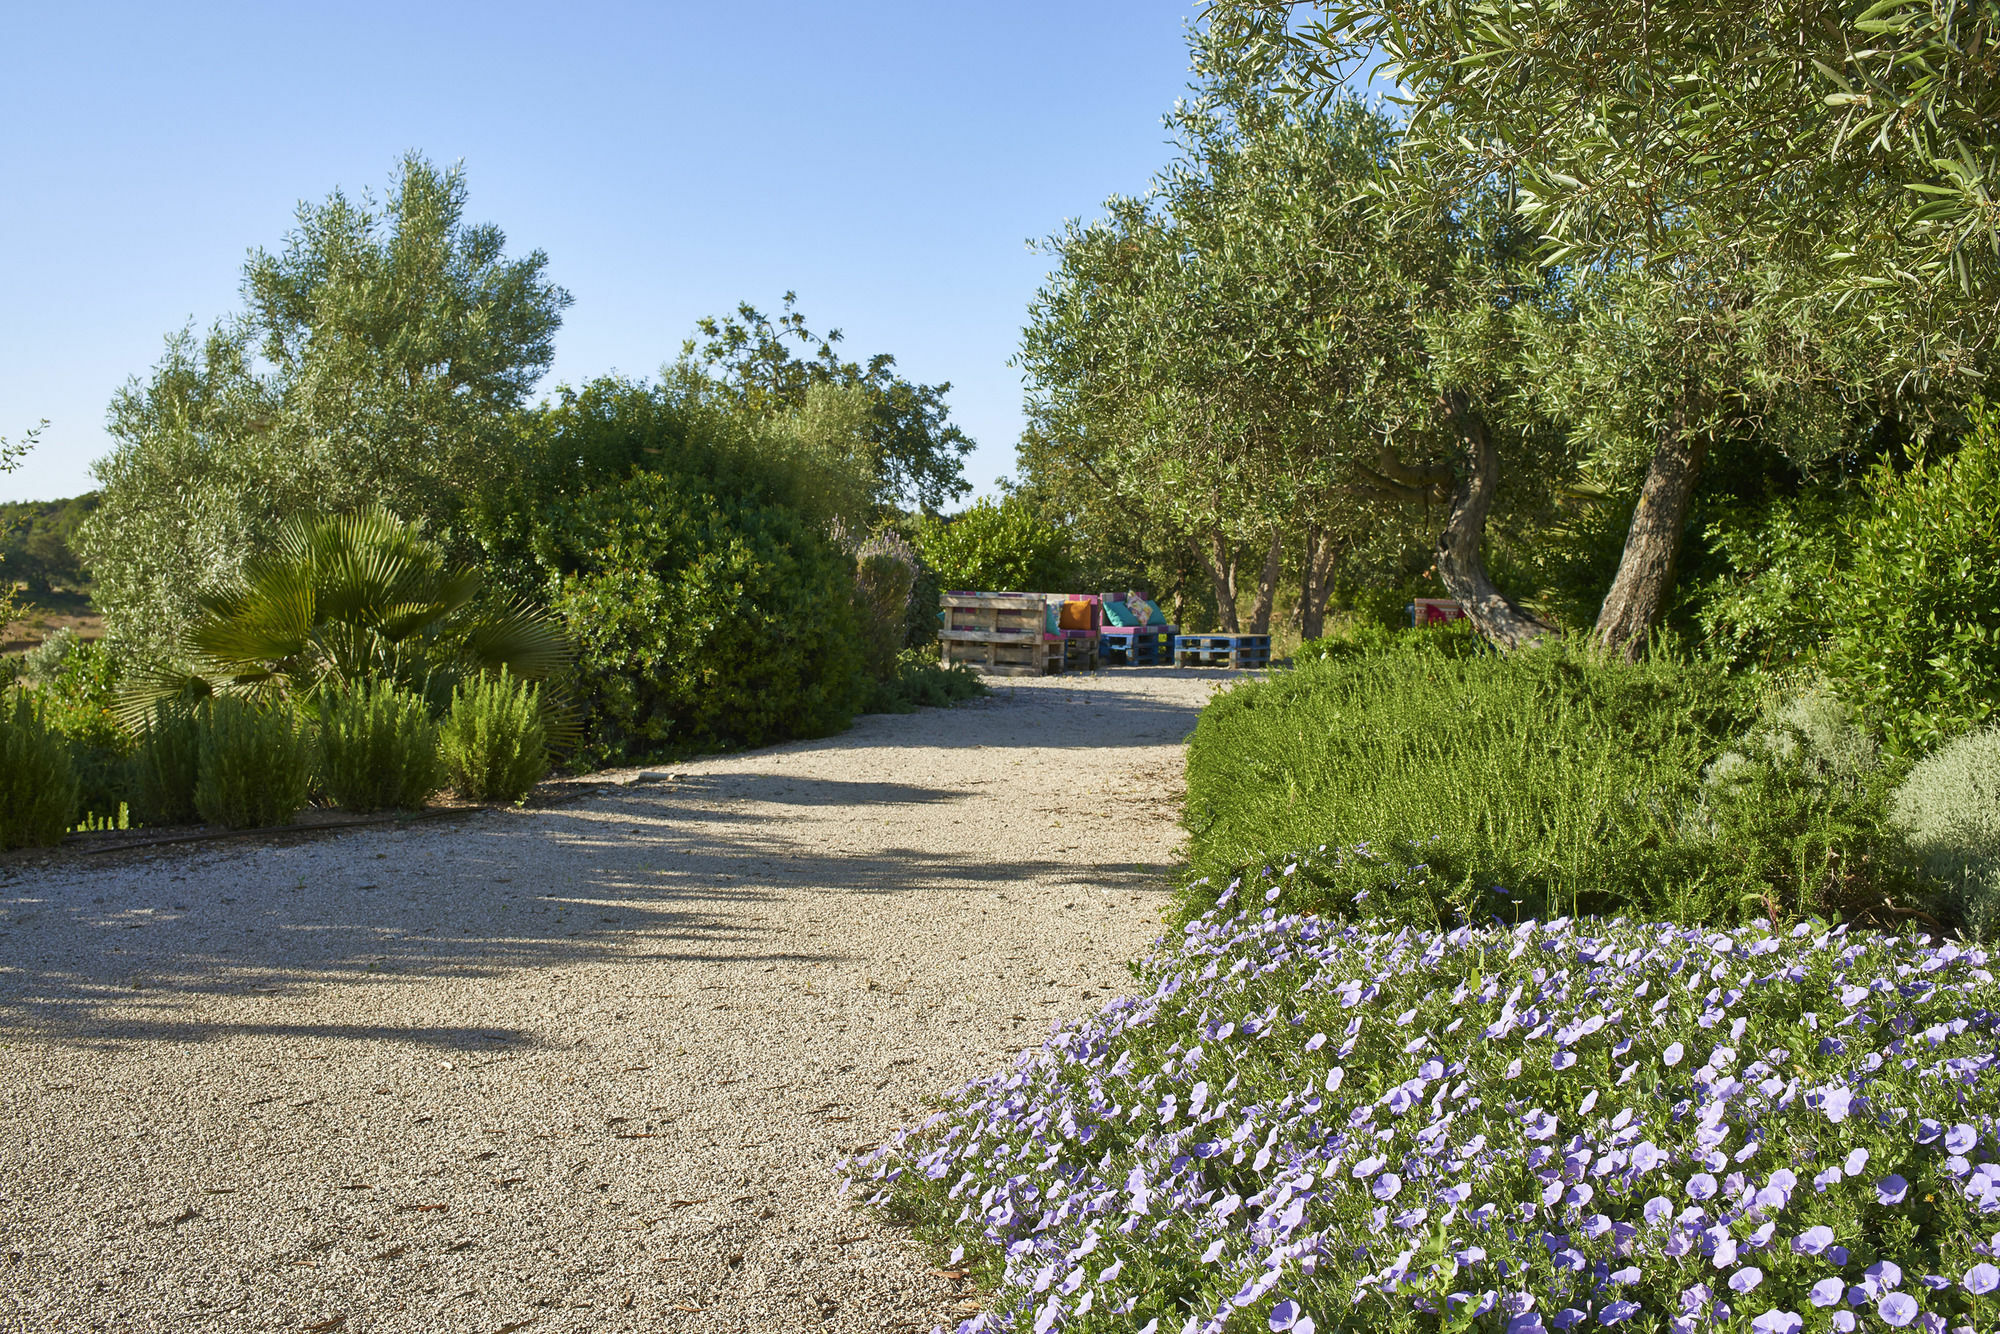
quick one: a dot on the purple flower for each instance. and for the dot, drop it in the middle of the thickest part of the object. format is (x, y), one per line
(1856, 1161)
(1775, 1321)
(1844, 1321)
(1898, 1309)
(1285, 1315)
(1884, 1274)
(1813, 1240)
(1981, 1279)
(1701, 1186)
(1566, 1317)
(1672, 1055)
(1387, 1186)
(1891, 1189)
(1746, 1278)
(1826, 1292)
(1614, 1312)
(1835, 1101)
(1960, 1139)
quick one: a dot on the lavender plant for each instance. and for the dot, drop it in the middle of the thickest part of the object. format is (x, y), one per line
(1301, 1124)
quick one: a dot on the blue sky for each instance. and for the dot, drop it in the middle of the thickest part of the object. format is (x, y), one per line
(888, 161)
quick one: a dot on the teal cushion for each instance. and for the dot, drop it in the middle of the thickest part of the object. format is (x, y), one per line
(1117, 613)
(1155, 616)
(1049, 617)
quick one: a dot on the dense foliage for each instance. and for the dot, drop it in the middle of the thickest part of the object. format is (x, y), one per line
(381, 357)
(1003, 547)
(706, 607)
(1298, 1125)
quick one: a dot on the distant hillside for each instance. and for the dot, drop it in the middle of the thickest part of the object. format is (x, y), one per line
(37, 549)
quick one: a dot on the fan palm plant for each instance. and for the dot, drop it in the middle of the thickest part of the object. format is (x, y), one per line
(347, 600)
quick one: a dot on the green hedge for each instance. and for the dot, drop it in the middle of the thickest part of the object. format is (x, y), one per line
(1540, 784)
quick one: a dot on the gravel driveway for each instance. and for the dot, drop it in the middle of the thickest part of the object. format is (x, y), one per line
(585, 1067)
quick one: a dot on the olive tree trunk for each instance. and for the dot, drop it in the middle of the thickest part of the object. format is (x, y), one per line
(1459, 562)
(1267, 585)
(1316, 581)
(1220, 557)
(1653, 543)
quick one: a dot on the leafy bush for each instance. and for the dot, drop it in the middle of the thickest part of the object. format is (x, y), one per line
(38, 787)
(1918, 640)
(378, 748)
(996, 548)
(1549, 780)
(78, 684)
(166, 766)
(1894, 596)
(703, 619)
(921, 682)
(1949, 809)
(493, 742)
(1298, 1125)
(255, 765)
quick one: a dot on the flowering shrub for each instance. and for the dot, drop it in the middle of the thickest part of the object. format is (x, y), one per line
(1306, 1125)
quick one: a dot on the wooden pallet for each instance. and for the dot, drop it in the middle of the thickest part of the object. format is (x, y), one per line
(1238, 651)
(1005, 657)
(1080, 650)
(1000, 634)
(1136, 645)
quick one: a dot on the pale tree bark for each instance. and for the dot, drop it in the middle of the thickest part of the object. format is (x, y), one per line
(1460, 563)
(1220, 558)
(1316, 581)
(1653, 542)
(1267, 585)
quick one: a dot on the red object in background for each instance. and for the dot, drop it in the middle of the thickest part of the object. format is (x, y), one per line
(1436, 611)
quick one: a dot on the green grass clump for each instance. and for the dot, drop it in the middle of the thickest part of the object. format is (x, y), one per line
(255, 765)
(166, 765)
(38, 785)
(1546, 782)
(494, 743)
(378, 748)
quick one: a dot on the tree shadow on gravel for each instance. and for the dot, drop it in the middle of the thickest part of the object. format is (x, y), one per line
(128, 948)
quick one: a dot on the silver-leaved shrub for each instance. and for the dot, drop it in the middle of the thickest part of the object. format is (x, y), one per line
(1949, 809)
(1301, 1125)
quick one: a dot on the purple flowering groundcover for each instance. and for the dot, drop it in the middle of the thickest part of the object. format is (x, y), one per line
(1303, 1125)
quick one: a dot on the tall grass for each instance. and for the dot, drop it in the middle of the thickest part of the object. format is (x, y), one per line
(1545, 783)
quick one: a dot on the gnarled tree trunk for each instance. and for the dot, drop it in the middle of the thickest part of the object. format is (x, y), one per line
(1267, 585)
(1220, 557)
(1653, 543)
(1315, 581)
(1459, 562)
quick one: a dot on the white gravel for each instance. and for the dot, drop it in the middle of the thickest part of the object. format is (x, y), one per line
(586, 1067)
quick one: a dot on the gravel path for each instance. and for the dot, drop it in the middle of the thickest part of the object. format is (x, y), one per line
(578, 1068)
